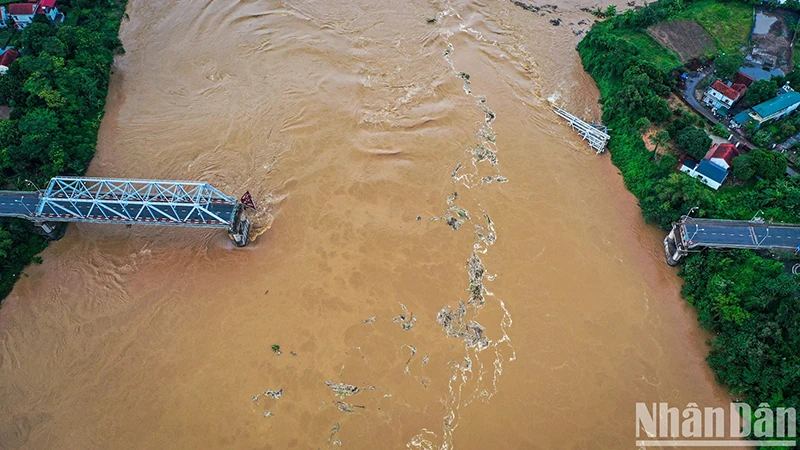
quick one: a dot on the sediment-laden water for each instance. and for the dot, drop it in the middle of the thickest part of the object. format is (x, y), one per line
(442, 263)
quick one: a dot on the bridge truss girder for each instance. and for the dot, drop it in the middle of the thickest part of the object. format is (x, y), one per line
(184, 203)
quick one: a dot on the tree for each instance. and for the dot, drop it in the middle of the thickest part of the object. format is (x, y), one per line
(727, 65)
(743, 167)
(761, 91)
(694, 141)
(657, 139)
(5, 243)
(643, 124)
(768, 164)
(611, 11)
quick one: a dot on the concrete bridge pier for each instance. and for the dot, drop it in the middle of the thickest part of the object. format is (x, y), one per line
(673, 247)
(52, 231)
(240, 228)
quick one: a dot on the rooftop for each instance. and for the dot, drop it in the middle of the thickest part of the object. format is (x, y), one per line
(777, 104)
(725, 151)
(726, 90)
(712, 171)
(8, 57)
(742, 78)
(742, 117)
(22, 9)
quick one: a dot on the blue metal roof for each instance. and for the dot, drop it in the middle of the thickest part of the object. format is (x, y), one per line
(712, 171)
(742, 118)
(777, 104)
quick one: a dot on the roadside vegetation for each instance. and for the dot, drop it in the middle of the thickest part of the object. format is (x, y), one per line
(747, 300)
(57, 90)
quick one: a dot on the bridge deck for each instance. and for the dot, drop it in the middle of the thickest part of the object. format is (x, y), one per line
(739, 234)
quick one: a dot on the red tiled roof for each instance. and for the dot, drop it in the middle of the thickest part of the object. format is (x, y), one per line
(743, 79)
(724, 151)
(21, 9)
(726, 90)
(45, 4)
(8, 57)
(739, 87)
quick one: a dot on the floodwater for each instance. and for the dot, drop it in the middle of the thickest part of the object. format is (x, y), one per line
(366, 135)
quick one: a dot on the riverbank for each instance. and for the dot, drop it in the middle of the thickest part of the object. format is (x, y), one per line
(745, 299)
(58, 92)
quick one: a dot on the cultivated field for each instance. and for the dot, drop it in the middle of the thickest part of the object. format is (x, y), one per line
(685, 37)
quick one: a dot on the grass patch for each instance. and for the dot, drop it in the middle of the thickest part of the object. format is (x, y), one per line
(729, 24)
(650, 50)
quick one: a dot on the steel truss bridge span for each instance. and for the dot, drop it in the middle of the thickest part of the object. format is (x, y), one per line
(121, 201)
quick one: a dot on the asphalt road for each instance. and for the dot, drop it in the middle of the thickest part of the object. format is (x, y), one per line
(25, 204)
(740, 235)
(18, 204)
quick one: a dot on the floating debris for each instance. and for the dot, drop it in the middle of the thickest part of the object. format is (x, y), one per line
(433, 20)
(476, 272)
(526, 6)
(453, 324)
(268, 414)
(274, 394)
(405, 319)
(369, 319)
(334, 430)
(342, 390)
(424, 361)
(455, 215)
(345, 407)
(337, 442)
(413, 352)
(276, 349)
(483, 153)
(493, 178)
(474, 336)
(293, 353)
(555, 22)
(256, 397)
(455, 171)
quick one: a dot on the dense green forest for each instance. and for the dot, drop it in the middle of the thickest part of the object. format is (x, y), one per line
(746, 300)
(57, 90)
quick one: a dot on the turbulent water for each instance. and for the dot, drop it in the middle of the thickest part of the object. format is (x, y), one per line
(442, 263)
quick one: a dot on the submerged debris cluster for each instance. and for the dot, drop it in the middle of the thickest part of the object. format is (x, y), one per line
(342, 390)
(405, 319)
(274, 394)
(453, 324)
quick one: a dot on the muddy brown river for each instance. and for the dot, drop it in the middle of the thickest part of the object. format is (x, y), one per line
(431, 233)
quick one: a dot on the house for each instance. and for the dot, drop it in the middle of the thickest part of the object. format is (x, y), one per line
(23, 13)
(722, 96)
(4, 17)
(706, 171)
(784, 104)
(741, 78)
(722, 155)
(713, 168)
(48, 9)
(776, 108)
(8, 57)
